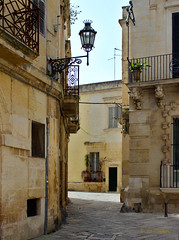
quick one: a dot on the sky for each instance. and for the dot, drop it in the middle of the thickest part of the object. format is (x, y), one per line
(105, 15)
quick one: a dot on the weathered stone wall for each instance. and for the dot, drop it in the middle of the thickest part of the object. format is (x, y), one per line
(28, 95)
(152, 106)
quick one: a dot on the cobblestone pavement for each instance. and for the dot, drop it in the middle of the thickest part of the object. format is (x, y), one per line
(100, 219)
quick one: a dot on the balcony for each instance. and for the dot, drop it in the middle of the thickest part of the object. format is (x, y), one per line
(169, 176)
(161, 67)
(92, 176)
(19, 27)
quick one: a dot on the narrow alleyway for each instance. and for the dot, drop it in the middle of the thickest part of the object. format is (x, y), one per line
(100, 219)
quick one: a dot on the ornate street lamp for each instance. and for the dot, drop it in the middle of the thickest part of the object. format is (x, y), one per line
(87, 35)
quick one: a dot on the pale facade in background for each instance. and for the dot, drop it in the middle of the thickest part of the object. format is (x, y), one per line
(99, 137)
(33, 118)
(150, 148)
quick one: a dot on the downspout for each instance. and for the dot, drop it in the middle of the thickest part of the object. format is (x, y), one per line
(46, 176)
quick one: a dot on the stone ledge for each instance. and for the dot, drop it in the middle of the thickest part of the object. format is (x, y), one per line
(169, 190)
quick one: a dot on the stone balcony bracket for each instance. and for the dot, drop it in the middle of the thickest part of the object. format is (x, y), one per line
(136, 95)
(159, 92)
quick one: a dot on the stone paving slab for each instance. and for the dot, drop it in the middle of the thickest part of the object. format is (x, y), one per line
(102, 220)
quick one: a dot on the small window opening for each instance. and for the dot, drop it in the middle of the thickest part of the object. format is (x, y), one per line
(38, 140)
(41, 5)
(33, 207)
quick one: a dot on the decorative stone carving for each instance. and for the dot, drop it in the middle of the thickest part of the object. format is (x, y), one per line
(136, 95)
(161, 103)
(165, 125)
(173, 106)
(165, 114)
(159, 94)
(165, 161)
(165, 148)
(165, 137)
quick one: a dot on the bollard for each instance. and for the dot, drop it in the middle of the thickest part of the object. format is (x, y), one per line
(166, 209)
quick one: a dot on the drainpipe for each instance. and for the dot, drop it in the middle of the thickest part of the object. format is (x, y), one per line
(46, 176)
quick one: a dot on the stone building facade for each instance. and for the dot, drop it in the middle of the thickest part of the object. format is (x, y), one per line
(150, 154)
(34, 117)
(98, 140)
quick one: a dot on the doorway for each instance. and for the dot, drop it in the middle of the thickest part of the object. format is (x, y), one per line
(113, 179)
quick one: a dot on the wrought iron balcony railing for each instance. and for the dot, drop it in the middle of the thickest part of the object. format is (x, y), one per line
(169, 176)
(20, 18)
(161, 67)
(71, 86)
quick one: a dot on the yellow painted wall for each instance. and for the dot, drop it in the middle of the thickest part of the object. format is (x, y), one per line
(95, 136)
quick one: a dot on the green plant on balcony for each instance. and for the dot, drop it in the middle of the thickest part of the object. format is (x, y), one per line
(85, 174)
(136, 68)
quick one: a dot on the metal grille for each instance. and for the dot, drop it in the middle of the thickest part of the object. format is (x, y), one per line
(169, 175)
(159, 67)
(175, 143)
(20, 18)
(72, 84)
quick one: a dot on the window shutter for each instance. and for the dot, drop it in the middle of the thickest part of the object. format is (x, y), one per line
(110, 123)
(42, 16)
(97, 162)
(113, 114)
(94, 162)
(91, 162)
(41, 5)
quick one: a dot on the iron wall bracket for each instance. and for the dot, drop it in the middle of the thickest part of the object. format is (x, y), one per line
(60, 64)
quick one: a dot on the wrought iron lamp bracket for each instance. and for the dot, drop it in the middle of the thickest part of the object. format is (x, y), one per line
(130, 14)
(58, 65)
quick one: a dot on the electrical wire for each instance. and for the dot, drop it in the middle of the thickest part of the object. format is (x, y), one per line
(119, 104)
(91, 135)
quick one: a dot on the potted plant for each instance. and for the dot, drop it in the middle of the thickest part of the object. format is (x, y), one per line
(100, 173)
(85, 173)
(136, 68)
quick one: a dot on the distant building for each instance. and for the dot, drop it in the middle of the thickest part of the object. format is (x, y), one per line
(34, 117)
(98, 141)
(151, 147)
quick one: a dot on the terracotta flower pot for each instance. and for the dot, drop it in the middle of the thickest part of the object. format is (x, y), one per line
(136, 75)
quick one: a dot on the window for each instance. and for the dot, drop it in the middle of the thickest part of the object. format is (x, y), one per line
(41, 5)
(175, 167)
(38, 139)
(176, 142)
(94, 162)
(113, 115)
(33, 207)
(175, 40)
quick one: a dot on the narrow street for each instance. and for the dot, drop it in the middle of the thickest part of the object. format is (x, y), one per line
(96, 216)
